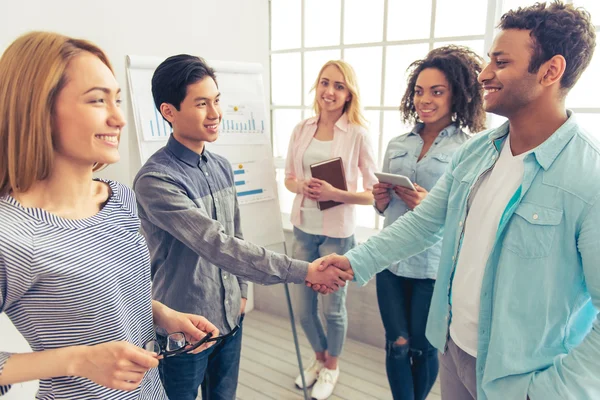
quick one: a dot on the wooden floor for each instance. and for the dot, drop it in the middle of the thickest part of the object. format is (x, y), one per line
(268, 367)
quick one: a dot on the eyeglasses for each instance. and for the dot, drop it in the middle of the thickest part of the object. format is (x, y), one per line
(176, 343)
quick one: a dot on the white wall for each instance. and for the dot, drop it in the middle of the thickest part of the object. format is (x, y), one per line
(230, 30)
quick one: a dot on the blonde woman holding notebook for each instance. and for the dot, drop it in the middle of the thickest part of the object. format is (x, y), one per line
(337, 130)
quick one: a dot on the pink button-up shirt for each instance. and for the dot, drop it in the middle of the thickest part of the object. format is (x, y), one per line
(351, 143)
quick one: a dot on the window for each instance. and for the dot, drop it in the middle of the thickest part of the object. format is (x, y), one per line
(380, 39)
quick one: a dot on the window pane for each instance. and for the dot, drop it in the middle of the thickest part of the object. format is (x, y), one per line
(582, 94)
(363, 21)
(592, 6)
(398, 58)
(308, 113)
(404, 25)
(286, 198)
(313, 61)
(285, 24)
(285, 79)
(365, 215)
(476, 45)
(494, 121)
(374, 129)
(366, 61)
(284, 122)
(392, 127)
(449, 13)
(513, 5)
(591, 123)
(322, 22)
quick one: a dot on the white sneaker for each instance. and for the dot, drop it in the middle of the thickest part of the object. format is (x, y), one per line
(310, 374)
(326, 383)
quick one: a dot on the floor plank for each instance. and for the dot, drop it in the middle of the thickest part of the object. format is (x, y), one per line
(269, 364)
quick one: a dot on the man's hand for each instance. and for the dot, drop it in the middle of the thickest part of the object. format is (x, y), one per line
(243, 305)
(410, 197)
(332, 261)
(328, 280)
(381, 194)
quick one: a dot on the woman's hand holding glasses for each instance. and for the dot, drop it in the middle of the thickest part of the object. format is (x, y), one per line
(176, 343)
(193, 327)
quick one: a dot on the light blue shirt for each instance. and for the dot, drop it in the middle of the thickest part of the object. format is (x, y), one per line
(401, 157)
(539, 332)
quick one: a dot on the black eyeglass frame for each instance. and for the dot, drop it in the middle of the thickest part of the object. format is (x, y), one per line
(189, 347)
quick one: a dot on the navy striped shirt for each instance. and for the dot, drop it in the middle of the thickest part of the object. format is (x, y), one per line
(77, 282)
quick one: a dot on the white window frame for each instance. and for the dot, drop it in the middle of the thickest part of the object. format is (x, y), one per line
(494, 12)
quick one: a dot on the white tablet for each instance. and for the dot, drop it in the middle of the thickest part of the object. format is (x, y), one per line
(393, 179)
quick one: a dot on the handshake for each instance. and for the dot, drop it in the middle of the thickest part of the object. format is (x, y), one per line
(328, 274)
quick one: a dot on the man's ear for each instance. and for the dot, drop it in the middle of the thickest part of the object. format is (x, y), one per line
(552, 71)
(167, 111)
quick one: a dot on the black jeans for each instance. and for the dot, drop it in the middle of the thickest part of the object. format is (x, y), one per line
(404, 305)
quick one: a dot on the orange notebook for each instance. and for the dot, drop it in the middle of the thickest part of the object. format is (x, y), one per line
(331, 171)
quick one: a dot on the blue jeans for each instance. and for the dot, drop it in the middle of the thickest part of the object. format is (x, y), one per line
(404, 305)
(309, 247)
(215, 369)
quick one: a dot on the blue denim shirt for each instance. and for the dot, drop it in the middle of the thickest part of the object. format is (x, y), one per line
(539, 332)
(401, 158)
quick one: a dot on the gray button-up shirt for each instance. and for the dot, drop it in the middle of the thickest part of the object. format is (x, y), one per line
(191, 220)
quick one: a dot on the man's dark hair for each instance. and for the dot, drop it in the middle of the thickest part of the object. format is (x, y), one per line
(172, 77)
(556, 29)
(461, 67)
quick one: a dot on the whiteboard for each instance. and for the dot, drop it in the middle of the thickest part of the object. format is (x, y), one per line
(244, 138)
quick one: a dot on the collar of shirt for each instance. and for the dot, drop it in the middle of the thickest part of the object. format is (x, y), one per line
(447, 131)
(341, 123)
(184, 154)
(548, 151)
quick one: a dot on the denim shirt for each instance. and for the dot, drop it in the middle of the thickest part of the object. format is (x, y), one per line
(191, 220)
(539, 332)
(401, 158)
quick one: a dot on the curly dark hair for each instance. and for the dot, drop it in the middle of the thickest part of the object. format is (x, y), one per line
(556, 29)
(461, 66)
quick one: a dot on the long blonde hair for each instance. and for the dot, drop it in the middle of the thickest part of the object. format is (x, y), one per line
(32, 73)
(352, 108)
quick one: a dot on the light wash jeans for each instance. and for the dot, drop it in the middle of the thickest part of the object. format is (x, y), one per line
(305, 301)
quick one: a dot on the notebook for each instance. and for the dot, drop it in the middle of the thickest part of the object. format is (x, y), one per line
(331, 171)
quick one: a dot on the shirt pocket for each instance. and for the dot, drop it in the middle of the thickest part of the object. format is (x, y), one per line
(435, 165)
(531, 230)
(399, 161)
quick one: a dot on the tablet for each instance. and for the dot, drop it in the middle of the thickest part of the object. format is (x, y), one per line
(393, 179)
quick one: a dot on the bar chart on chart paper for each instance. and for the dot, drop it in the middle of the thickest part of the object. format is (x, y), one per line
(241, 119)
(159, 128)
(149, 121)
(252, 181)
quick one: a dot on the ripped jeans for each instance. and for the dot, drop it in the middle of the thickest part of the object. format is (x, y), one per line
(404, 305)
